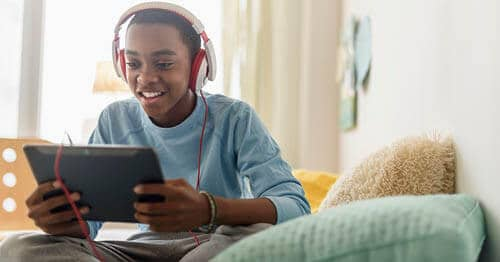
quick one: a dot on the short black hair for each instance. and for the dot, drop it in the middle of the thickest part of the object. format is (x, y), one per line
(157, 16)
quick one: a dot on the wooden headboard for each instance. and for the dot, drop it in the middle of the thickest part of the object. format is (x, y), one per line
(16, 184)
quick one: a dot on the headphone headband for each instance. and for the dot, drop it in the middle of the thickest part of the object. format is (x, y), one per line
(182, 12)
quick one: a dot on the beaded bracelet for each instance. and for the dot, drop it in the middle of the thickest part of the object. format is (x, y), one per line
(213, 210)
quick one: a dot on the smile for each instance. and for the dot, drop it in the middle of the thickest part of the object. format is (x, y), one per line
(151, 94)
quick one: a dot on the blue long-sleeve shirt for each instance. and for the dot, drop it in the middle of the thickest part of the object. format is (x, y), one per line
(240, 158)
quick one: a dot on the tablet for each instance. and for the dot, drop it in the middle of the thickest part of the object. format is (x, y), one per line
(104, 176)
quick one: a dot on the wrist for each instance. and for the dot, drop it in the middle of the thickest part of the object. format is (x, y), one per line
(245, 211)
(204, 210)
(212, 211)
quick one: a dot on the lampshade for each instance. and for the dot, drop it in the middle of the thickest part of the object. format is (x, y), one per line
(106, 79)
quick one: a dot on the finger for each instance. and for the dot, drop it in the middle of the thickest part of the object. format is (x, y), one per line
(60, 217)
(169, 191)
(158, 189)
(162, 208)
(37, 195)
(60, 200)
(50, 204)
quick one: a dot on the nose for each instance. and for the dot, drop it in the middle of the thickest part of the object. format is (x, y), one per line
(147, 76)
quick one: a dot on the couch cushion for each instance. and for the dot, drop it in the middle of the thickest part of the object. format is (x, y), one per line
(402, 228)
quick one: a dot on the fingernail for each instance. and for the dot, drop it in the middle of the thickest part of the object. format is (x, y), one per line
(136, 189)
(84, 210)
(75, 196)
(56, 184)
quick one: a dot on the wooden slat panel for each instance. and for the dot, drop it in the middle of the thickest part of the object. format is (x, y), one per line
(26, 183)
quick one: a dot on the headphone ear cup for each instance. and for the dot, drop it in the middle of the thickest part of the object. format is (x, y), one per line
(198, 71)
(201, 77)
(123, 66)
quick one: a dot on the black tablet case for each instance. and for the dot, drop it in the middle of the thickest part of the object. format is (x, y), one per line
(104, 175)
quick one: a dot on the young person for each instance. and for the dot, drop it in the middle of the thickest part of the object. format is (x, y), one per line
(246, 184)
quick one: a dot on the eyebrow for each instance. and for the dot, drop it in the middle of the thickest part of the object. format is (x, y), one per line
(155, 53)
(163, 52)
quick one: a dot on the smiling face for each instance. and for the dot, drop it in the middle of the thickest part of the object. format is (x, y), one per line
(158, 70)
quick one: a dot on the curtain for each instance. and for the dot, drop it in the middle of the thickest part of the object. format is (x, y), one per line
(269, 61)
(252, 31)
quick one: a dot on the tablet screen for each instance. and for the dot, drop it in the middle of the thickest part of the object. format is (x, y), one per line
(105, 175)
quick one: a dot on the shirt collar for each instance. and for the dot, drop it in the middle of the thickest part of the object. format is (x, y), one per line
(185, 126)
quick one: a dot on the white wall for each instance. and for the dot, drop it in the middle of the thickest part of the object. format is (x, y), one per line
(436, 66)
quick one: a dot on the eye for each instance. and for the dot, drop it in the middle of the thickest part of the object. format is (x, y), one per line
(164, 66)
(132, 65)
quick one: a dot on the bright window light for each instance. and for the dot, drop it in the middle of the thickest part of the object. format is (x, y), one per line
(11, 21)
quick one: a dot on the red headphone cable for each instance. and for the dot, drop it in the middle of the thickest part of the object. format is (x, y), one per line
(82, 223)
(199, 156)
(201, 140)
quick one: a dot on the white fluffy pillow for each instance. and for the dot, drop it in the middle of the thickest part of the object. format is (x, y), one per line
(411, 166)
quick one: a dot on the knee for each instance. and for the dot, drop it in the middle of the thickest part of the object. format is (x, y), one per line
(20, 245)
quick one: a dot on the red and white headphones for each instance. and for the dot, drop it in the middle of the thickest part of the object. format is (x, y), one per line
(204, 64)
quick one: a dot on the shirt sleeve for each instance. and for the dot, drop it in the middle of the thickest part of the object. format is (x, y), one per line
(98, 136)
(259, 161)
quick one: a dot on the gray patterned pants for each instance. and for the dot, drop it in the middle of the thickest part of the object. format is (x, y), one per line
(146, 246)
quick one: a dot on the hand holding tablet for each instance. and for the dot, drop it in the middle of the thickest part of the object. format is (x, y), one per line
(102, 176)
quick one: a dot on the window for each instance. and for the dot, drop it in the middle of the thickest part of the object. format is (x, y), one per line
(11, 19)
(75, 41)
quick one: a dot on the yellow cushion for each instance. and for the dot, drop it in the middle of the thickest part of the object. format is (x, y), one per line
(316, 184)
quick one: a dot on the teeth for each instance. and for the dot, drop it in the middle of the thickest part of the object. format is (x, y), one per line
(151, 94)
